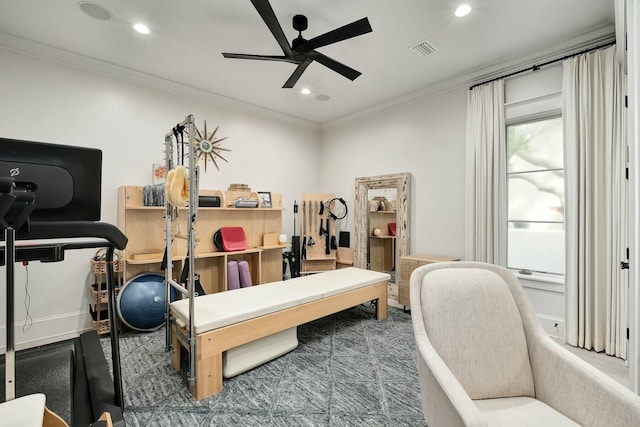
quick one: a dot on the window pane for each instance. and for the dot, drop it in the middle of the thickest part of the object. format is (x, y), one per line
(535, 145)
(536, 247)
(535, 236)
(536, 196)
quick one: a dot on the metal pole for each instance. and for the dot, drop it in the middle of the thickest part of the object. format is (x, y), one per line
(168, 216)
(10, 357)
(113, 328)
(193, 212)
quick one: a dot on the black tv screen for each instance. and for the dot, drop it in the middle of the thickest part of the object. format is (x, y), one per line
(66, 180)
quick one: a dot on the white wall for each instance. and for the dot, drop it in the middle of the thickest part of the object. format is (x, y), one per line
(46, 102)
(425, 138)
(43, 101)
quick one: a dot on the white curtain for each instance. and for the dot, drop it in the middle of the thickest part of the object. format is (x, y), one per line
(595, 212)
(486, 174)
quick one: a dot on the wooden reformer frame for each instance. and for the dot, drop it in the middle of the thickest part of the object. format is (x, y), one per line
(210, 345)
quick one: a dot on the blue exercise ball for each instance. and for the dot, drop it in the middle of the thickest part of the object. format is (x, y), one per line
(142, 302)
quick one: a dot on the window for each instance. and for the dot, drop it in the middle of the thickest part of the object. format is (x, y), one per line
(535, 179)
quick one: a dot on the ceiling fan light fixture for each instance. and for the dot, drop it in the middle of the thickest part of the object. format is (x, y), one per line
(463, 10)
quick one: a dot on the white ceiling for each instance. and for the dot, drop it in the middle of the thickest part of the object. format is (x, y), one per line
(187, 38)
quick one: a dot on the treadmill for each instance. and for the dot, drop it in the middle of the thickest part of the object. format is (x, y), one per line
(53, 192)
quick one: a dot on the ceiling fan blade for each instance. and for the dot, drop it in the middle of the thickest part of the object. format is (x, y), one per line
(259, 57)
(269, 17)
(348, 31)
(336, 66)
(297, 73)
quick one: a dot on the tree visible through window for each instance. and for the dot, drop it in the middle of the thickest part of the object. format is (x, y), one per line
(535, 177)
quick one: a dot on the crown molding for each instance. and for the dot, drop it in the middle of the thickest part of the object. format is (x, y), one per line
(594, 37)
(106, 69)
(40, 51)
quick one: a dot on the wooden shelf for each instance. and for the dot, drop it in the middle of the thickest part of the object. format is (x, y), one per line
(145, 228)
(162, 208)
(381, 250)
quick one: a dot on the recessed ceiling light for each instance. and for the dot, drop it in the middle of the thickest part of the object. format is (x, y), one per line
(323, 97)
(141, 28)
(94, 10)
(463, 10)
(305, 91)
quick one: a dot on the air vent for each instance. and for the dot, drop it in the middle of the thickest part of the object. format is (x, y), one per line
(424, 48)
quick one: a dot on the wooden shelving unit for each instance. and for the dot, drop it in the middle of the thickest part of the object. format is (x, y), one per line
(317, 259)
(145, 228)
(381, 247)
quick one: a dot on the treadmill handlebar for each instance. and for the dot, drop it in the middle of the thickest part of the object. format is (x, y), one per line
(74, 229)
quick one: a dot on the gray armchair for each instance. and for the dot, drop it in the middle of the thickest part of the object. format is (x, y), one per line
(484, 359)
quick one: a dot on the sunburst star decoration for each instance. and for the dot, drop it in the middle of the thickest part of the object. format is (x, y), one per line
(208, 146)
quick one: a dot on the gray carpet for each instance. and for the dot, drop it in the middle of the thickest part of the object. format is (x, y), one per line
(44, 370)
(349, 370)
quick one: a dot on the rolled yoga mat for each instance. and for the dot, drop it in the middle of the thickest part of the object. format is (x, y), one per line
(233, 278)
(245, 274)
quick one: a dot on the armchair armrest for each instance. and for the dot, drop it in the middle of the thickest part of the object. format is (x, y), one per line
(573, 387)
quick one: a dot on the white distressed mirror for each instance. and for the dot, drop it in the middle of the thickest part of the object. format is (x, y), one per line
(401, 182)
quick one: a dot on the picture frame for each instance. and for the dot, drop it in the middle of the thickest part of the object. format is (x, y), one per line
(265, 199)
(159, 173)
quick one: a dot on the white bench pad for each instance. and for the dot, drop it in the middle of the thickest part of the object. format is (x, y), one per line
(221, 309)
(521, 411)
(26, 411)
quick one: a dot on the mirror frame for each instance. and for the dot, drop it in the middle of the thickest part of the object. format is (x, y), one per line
(401, 182)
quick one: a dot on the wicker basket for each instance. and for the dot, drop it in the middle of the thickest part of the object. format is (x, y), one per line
(101, 326)
(99, 294)
(99, 263)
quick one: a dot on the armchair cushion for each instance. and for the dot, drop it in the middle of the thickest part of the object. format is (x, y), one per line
(521, 412)
(475, 326)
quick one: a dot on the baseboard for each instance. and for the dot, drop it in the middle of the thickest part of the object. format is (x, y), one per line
(553, 326)
(47, 330)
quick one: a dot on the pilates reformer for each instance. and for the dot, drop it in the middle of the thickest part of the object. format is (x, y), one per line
(250, 320)
(50, 191)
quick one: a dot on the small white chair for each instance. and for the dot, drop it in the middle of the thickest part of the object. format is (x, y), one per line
(29, 411)
(484, 359)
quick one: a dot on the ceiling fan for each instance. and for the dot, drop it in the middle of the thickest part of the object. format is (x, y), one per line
(303, 52)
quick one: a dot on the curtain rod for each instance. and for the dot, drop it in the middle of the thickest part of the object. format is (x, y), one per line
(535, 67)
